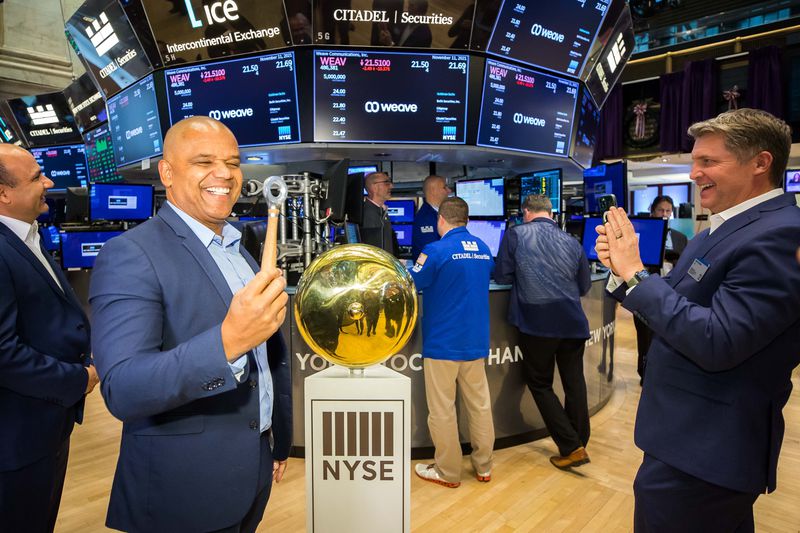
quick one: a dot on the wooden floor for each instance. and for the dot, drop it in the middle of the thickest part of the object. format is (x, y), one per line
(525, 494)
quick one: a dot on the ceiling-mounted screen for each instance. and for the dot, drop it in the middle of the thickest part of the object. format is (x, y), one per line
(195, 30)
(611, 61)
(86, 103)
(545, 182)
(265, 113)
(8, 128)
(45, 119)
(553, 35)
(135, 124)
(526, 110)
(103, 36)
(64, 165)
(390, 97)
(412, 24)
(585, 139)
(100, 155)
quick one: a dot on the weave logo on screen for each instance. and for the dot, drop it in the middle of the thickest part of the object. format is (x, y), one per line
(358, 445)
(215, 12)
(42, 114)
(102, 34)
(372, 106)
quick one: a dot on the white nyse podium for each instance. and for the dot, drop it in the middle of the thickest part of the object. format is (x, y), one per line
(358, 451)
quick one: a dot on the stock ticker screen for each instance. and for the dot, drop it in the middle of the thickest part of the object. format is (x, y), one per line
(265, 113)
(526, 110)
(135, 125)
(100, 156)
(390, 97)
(65, 165)
(555, 36)
(546, 182)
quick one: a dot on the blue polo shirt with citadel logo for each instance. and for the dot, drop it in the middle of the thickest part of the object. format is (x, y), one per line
(453, 275)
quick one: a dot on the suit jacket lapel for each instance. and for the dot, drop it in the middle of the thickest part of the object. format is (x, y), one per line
(198, 251)
(37, 265)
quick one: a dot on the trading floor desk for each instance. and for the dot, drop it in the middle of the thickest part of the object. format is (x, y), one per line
(516, 417)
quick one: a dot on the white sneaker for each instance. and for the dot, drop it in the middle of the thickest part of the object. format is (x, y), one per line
(429, 473)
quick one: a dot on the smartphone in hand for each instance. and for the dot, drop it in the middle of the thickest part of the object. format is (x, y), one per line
(606, 202)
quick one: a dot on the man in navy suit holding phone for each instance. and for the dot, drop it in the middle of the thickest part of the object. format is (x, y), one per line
(45, 360)
(726, 325)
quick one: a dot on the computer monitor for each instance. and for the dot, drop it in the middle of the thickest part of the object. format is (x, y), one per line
(403, 232)
(678, 192)
(77, 209)
(80, 248)
(51, 239)
(791, 181)
(337, 179)
(489, 231)
(401, 211)
(652, 234)
(483, 196)
(604, 180)
(118, 201)
(546, 182)
(365, 169)
(351, 233)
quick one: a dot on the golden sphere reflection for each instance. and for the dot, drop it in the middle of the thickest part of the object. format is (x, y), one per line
(356, 305)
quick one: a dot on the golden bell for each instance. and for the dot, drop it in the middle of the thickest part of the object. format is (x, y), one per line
(356, 305)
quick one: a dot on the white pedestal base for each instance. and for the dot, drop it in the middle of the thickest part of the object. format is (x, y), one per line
(358, 451)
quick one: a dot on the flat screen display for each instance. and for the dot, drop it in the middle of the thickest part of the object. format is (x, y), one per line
(368, 169)
(643, 199)
(103, 37)
(608, 68)
(390, 97)
(679, 194)
(526, 110)
(484, 197)
(792, 180)
(194, 30)
(651, 232)
(120, 202)
(553, 35)
(135, 124)
(401, 211)
(489, 231)
(65, 165)
(51, 240)
(79, 249)
(546, 182)
(86, 103)
(100, 155)
(403, 233)
(602, 180)
(417, 24)
(45, 119)
(8, 130)
(265, 113)
(585, 140)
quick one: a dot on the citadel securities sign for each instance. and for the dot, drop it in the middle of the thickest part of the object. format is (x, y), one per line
(193, 30)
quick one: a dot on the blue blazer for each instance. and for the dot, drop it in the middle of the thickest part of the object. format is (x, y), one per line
(44, 343)
(719, 368)
(190, 440)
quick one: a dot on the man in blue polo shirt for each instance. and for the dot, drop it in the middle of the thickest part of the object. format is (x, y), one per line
(453, 274)
(436, 190)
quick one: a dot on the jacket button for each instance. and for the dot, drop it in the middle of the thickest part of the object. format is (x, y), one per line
(253, 424)
(253, 383)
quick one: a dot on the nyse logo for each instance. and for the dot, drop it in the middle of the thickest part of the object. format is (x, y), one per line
(365, 438)
(220, 11)
(42, 114)
(470, 246)
(102, 34)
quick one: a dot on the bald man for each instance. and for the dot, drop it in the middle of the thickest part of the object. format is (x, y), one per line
(45, 363)
(187, 345)
(425, 219)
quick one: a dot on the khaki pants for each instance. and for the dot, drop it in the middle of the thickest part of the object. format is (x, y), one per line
(441, 378)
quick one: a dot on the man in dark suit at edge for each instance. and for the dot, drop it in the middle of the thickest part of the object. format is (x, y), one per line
(188, 347)
(45, 361)
(726, 324)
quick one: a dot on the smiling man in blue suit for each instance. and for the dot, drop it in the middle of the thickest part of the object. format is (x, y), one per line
(726, 324)
(45, 362)
(186, 338)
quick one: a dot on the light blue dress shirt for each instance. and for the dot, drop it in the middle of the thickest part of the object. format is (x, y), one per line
(224, 250)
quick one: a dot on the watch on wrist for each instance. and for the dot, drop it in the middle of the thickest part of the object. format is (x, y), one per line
(637, 278)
